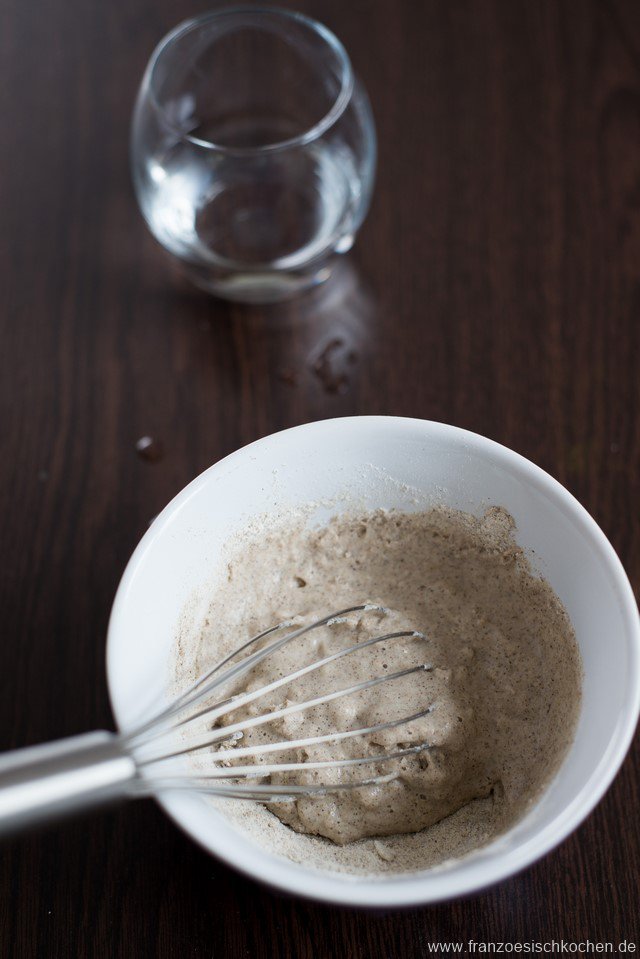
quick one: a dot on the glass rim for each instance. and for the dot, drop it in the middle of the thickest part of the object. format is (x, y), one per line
(314, 132)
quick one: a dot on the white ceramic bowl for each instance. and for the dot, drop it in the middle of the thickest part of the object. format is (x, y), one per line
(382, 461)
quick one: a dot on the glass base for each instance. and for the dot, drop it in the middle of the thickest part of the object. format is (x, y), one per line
(269, 286)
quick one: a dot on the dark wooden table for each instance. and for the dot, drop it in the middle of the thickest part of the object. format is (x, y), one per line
(495, 285)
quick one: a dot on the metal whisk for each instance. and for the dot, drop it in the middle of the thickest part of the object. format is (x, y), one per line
(45, 782)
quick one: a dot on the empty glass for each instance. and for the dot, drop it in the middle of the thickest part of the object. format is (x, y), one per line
(253, 151)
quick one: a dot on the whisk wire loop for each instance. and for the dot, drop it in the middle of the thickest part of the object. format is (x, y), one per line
(221, 778)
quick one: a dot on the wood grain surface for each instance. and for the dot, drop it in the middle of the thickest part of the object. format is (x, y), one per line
(495, 285)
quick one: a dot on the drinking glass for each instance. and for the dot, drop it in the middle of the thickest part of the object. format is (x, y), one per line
(253, 151)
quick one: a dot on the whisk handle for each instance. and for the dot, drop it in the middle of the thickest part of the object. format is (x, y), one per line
(47, 782)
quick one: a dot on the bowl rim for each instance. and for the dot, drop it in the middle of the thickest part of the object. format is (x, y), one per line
(430, 886)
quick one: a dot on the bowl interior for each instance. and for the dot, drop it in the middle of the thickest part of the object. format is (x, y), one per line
(409, 464)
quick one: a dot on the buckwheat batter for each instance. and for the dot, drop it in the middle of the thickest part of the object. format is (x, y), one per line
(502, 678)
